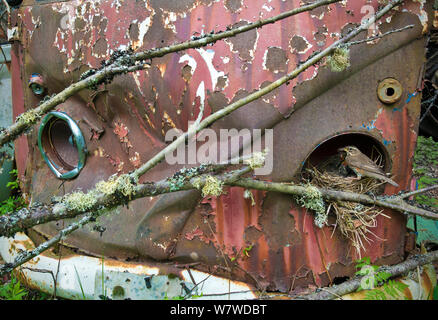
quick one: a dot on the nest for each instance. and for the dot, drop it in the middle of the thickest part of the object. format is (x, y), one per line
(353, 219)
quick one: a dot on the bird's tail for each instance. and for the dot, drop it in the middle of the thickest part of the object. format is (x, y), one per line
(382, 177)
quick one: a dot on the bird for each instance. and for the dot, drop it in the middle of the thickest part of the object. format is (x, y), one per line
(361, 165)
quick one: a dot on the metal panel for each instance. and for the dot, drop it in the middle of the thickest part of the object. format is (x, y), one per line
(125, 122)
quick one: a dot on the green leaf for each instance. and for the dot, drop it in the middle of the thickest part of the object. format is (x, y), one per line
(435, 293)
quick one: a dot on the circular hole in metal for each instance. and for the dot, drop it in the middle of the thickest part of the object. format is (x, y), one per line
(327, 158)
(37, 89)
(36, 85)
(118, 293)
(59, 145)
(62, 145)
(390, 92)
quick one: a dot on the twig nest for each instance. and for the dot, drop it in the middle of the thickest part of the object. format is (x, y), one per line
(354, 220)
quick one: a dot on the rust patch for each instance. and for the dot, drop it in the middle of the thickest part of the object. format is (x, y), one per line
(276, 60)
(243, 43)
(252, 234)
(186, 73)
(299, 44)
(122, 132)
(179, 6)
(233, 5)
(321, 36)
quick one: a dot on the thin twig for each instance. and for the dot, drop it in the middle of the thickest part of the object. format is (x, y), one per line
(415, 192)
(430, 106)
(379, 36)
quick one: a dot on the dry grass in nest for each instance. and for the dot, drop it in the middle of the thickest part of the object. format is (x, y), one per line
(354, 220)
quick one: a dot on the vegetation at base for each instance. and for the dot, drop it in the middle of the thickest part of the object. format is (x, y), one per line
(389, 289)
(15, 201)
(425, 168)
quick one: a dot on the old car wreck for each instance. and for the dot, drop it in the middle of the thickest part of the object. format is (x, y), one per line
(308, 85)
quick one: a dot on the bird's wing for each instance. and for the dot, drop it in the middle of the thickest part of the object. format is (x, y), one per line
(363, 162)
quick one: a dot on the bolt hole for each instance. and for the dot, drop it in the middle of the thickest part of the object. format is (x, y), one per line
(390, 92)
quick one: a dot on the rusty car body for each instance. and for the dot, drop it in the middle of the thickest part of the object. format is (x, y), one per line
(124, 124)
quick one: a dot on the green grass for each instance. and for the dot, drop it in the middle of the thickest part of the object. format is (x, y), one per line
(424, 168)
(13, 290)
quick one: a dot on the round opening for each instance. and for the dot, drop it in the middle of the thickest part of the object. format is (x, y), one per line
(37, 89)
(390, 92)
(118, 293)
(62, 145)
(59, 145)
(326, 156)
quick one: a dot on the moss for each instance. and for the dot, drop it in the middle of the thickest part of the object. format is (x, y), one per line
(313, 200)
(339, 60)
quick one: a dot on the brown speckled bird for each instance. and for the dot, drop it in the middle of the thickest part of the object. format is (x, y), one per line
(362, 165)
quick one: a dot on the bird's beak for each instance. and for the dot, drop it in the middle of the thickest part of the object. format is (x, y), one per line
(341, 150)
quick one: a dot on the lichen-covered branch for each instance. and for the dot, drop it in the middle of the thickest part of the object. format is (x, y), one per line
(185, 183)
(134, 62)
(108, 195)
(352, 285)
(391, 202)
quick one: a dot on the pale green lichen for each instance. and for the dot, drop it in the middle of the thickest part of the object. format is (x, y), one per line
(124, 184)
(257, 160)
(197, 183)
(248, 195)
(28, 117)
(79, 201)
(313, 200)
(107, 187)
(212, 187)
(339, 60)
